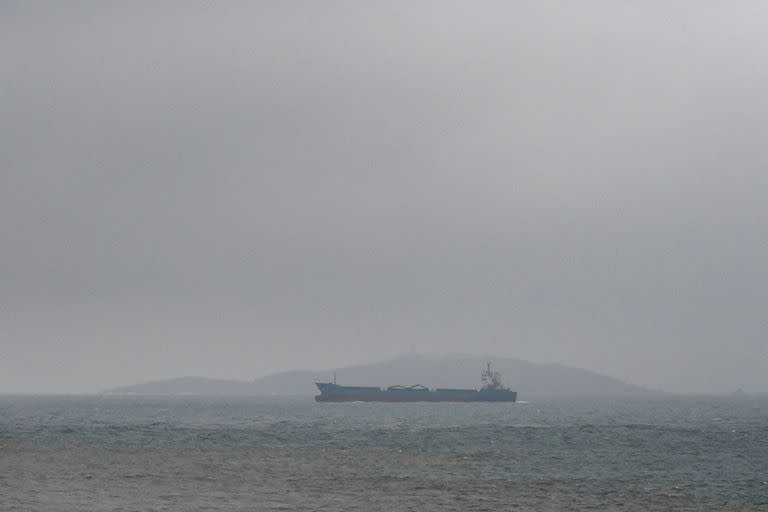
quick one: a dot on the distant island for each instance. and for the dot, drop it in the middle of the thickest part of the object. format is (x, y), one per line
(453, 371)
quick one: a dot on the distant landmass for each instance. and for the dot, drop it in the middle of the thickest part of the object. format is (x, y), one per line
(455, 371)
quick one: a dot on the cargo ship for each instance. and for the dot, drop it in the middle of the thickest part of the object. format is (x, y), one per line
(491, 390)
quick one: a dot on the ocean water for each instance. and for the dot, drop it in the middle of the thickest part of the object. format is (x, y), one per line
(645, 453)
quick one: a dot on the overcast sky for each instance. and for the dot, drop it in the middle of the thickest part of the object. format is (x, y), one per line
(230, 189)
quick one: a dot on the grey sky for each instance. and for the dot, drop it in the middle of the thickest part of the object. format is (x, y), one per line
(234, 188)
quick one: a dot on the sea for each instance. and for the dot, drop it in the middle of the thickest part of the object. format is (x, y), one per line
(191, 453)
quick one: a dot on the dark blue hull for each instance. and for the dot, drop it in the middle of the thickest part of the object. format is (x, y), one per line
(330, 392)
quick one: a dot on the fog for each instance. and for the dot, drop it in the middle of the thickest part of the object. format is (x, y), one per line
(232, 189)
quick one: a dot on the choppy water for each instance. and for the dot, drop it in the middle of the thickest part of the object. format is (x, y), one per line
(192, 453)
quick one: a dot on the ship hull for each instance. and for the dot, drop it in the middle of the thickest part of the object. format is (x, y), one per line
(333, 393)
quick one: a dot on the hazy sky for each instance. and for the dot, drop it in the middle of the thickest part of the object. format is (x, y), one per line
(234, 188)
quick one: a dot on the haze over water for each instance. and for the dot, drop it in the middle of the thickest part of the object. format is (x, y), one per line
(190, 188)
(235, 189)
(569, 454)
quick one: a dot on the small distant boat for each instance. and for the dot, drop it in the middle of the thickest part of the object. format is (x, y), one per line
(492, 390)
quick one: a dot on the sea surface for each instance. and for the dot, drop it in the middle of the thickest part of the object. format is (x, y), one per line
(645, 453)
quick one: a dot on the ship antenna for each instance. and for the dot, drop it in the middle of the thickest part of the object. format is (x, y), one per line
(334, 378)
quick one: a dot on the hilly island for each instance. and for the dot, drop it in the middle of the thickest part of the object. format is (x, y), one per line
(456, 371)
